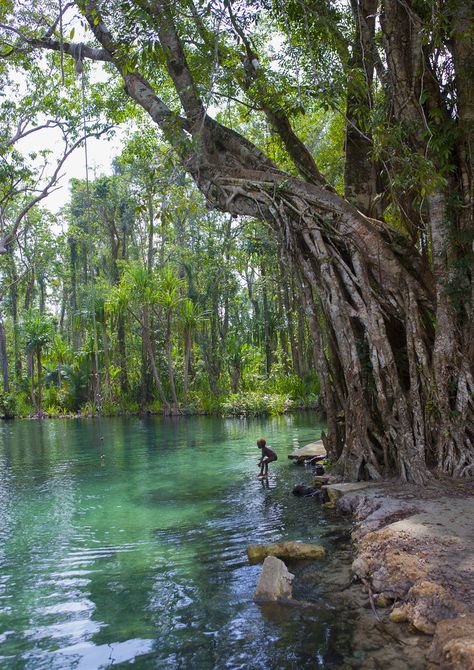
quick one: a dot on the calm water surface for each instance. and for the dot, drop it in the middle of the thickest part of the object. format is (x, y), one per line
(122, 543)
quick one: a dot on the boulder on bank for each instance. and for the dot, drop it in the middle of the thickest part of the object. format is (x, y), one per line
(426, 604)
(453, 644)
(286, 550)
(275, 582)
(314, 450)
(336, 491)
(321, 480)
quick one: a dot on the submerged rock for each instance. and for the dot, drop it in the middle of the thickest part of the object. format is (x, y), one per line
(306, 491)
(275, 582)
(287, 550)
(453, 644)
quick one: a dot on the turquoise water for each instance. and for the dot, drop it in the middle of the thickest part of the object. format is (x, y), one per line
(122, 542)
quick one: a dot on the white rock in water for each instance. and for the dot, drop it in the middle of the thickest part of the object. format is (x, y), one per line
(309, 450)
(275, 581)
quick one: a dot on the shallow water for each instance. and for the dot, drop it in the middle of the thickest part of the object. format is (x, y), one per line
(122, 541)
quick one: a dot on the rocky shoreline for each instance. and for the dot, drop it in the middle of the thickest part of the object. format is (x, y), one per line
(415, 560)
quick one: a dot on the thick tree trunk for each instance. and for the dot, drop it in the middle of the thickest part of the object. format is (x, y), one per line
(360, 170)
(385, 313)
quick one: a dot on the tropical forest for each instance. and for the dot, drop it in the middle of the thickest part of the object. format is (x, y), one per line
(225, 225)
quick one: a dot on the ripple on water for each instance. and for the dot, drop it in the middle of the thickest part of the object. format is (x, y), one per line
(87, 656)
(141, 556)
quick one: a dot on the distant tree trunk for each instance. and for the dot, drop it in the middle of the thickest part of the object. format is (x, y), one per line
(31, 373)
(144, 378)
(210, 343)
(211, 359)
(151, 232)
(256, 307)
(236, 375)
(397, 334)
(106, 349)
(299, 334)
(12, 275)
(161, 251)
(115, 244)
(151, 355)
(266, 322)
(187, 357)
(42, 294)
(3, 358)
(283, 330)
(30, 290)
(289, 317)
(75, 331)
(62, 314)
(14, 312)
(122, 354)
(169, 359)
(40, 383)
(302, 363)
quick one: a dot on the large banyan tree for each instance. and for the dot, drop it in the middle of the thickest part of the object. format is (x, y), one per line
(385, 266)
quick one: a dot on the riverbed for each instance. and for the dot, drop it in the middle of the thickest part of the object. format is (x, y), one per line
(122, 542)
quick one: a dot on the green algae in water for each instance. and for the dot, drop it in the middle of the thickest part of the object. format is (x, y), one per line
(130, 549)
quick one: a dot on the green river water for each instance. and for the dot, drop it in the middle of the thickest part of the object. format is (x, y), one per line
(122, 543)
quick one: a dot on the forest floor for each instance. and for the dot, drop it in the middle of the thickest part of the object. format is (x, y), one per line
(415, 559)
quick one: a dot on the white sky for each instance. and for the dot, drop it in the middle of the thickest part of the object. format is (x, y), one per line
(100, 152)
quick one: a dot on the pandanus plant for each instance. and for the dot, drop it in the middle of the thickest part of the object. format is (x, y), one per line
(137, 294)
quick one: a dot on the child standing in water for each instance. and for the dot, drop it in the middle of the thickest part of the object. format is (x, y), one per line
(268, 455)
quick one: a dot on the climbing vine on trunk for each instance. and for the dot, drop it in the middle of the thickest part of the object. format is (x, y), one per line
(390, 299)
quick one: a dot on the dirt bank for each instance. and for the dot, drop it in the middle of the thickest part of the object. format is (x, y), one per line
(415, 559)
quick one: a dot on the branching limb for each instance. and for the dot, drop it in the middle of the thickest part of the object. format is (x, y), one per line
(48, 188)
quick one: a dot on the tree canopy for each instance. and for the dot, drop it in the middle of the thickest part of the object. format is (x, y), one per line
(346, 130)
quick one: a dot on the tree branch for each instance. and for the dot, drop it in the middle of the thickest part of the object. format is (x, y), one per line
(73, 49)
(10, 236)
